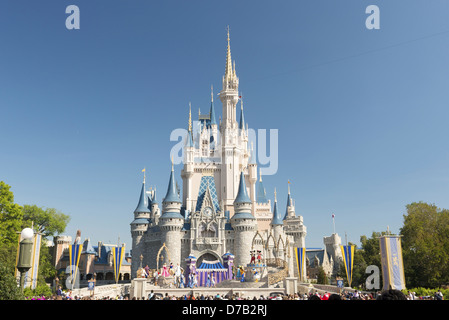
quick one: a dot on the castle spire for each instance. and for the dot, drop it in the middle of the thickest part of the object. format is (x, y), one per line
(142, 206)
(212, 109)
(242, 194)
(228, 71)
(172, 192)
(289, 201)
(242, 118)
(276, 218)
(190, 117)
(189, 141)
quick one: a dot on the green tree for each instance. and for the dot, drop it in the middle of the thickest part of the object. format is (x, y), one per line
(13, 218)
(321, 276)
(10, 216)
(9, 290)
(425, 245)
(49, 222)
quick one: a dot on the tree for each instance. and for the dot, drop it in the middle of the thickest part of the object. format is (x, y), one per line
(9, 290)
(10, 216)
(425, 245)
(48, 221)
(321, 276)
(13, 218)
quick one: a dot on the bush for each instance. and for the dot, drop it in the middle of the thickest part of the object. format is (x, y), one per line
(39, 291)
(9, 290)
(425, 292)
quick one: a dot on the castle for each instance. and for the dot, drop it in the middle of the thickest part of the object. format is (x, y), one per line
(220, 211)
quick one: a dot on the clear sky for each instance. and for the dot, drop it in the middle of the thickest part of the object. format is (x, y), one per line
(362, 114)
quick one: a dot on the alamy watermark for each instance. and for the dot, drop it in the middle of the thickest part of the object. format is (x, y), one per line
(263, 149)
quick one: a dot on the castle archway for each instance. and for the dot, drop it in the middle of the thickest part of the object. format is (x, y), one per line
(208, 256)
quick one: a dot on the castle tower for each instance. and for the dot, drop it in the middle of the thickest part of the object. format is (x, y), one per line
(276, 223)
(296, 230)
(230, 151)
(332, 244)
(213, 126)
(139, 227)
(171, 222)
(244, 224)
(188, 169)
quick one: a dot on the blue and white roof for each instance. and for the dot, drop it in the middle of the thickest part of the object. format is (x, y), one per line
(207, 182)
(142, 206)
(211, 266)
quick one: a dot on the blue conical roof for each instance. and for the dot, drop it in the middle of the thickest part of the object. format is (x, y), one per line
(277, 220)
(212, 113)
(242, 120)
(261, 194)
(189, 140)
(172, 192)
(142, 206)
(288, 205)
(242, 194)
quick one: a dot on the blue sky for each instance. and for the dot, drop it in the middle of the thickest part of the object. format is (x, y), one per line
(362, 114)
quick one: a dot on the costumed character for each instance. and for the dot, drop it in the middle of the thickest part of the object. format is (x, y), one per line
(195, 281)
(208, 280)
(259, 256)
(242, 272)
(164, 271)
(181, 282)
(253, 257)
(212, 280)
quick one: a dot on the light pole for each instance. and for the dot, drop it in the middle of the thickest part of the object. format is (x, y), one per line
(25, 254)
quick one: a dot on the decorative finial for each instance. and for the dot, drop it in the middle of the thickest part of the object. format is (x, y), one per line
(190, 117)
(212, 93)
(275, 200)
(143, 175)
(172, 163)
(260, 174)
(288, 181)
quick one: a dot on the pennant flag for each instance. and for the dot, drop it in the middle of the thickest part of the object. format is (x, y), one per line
(35, 263)
(143, 170)
(118, 253)
(348, 260)
(74, 259)
(392, 264)
(300, 254)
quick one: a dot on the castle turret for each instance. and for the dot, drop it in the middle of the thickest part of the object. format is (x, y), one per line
(139, 226)
(296, 230)
(188, 170)
(276, 223)
(171, 222)
(243, 223)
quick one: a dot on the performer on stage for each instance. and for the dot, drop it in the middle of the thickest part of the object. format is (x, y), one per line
(195, 281)
(242, 272)
(164, 271)
(208, 280)
(253, 257)
(212, 280)
(259, 256)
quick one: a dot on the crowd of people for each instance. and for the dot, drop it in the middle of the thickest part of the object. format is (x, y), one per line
(345, 295)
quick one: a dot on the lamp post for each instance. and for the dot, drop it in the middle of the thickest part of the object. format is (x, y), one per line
(25, 254)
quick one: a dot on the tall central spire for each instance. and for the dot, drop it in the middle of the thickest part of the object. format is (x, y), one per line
(229, 71)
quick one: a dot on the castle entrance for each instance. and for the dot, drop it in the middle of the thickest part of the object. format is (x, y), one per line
(206, 257)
